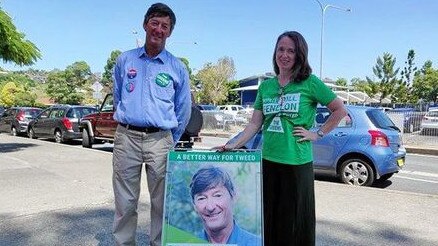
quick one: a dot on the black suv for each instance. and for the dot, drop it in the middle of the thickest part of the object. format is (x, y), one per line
(59, 122)
(16, 119)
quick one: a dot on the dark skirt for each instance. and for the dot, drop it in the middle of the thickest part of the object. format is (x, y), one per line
(288, 204)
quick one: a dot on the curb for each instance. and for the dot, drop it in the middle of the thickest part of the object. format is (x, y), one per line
(421, 150)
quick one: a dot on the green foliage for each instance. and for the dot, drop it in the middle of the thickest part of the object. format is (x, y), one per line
(409, 69)
(341, 82)
(107, 76)
(7, 94)
(17, 90)
(426, 85)
(213, 80)
(68, 86)
(233, 96)
(387, 77)
(13, 47)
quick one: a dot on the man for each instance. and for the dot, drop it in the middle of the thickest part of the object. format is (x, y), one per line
(213, 196)
(152, 101)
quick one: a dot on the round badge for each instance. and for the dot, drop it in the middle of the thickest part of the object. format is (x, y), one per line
(129, 87)
(132, 73)
(163, 79)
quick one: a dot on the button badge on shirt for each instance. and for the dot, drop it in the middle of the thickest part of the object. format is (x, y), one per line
(163, 79)
(132, 73)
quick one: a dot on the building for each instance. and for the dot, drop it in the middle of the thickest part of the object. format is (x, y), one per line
(248, 91)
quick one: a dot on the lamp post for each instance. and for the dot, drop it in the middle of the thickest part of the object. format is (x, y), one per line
(323, 9)
(137, 39)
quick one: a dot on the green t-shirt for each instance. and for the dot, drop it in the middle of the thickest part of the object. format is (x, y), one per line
(284, 108)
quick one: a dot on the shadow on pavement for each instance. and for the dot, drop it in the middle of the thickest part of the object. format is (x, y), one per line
(71, 227)
(12, 147)
(335, 233)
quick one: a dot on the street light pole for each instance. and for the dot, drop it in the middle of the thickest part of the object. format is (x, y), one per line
(137, 39)
(323, 9)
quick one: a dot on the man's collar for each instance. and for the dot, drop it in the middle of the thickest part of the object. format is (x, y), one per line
(162, 56)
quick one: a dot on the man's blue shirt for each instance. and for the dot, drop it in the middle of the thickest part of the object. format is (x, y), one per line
(152, 92)
(240, 237)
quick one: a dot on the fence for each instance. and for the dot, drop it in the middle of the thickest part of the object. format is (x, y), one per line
(409, 124)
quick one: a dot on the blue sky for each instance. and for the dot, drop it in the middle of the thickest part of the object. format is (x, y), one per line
(88, 30)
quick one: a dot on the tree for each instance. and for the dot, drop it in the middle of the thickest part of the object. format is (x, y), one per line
(409, 69)
(213, 79)
(7, 94)
(341, 82)
(68, 86)
(384, 71)
(426, 85)
(13, 47)
(107, 76)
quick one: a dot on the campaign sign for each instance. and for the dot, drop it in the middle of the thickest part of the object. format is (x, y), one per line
(213, 198)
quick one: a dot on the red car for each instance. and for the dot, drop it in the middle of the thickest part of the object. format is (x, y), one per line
(100, 127)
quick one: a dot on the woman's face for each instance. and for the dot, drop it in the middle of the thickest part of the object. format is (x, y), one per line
(285, 55)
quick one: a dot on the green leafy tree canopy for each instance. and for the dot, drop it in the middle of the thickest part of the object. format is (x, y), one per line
(13, 47)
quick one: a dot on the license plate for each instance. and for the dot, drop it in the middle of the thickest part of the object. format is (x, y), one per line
(400, 162)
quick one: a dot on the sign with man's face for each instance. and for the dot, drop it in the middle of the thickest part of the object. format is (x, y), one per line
(213, 198)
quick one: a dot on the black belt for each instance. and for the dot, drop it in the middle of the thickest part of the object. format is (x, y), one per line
(140, 129)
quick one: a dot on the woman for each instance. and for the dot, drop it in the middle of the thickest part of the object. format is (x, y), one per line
(285, 106)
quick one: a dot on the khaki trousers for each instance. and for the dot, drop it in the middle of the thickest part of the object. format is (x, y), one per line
(131, 150)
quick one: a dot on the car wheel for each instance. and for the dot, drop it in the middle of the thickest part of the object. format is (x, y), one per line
(58, 137)
(386, 176)
(357, 172)
(87, 142)
(31, 133)
(14, 131)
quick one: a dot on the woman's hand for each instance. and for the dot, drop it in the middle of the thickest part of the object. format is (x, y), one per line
(225, 147)
(305, 134)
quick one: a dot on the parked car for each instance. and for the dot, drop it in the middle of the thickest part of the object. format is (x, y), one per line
(100, 126)
(238, 113)
(16, 119)
(364, 147)
(59, 122)
(429, 124)
(214, 118)
(2, 109)
(411, 118)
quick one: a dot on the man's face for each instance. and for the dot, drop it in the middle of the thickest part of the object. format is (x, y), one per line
(157, 29)
(215, 206)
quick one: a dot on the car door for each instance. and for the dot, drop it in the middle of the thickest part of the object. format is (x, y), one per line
(327, 149)
(39, 122)
(6, 119)
(105, 125)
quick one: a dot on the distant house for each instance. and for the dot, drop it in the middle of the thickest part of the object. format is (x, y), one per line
(248, 88)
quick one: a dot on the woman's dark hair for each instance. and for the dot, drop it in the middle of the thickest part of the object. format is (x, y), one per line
(160, 10)
(301, 69)
(209, 177)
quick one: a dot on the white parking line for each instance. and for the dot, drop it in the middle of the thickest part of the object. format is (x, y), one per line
(422, 180)
(433, 175)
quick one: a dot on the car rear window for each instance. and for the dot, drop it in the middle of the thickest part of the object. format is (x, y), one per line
(33, 112)
(380, 119)
(80, 112)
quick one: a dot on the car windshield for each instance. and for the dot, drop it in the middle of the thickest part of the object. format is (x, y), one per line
(208, 107)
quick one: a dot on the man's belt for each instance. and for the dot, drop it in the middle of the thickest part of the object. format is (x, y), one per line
(140, 129)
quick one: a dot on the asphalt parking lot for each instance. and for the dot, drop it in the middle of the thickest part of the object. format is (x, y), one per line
(54, 194)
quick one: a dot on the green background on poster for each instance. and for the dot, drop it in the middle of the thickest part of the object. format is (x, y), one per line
(182, 224)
